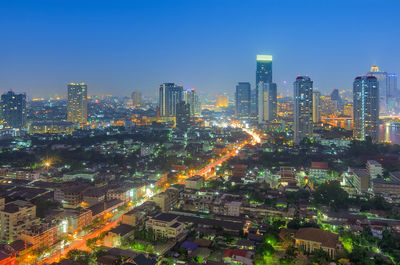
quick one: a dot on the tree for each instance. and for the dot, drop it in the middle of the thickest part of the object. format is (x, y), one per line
(320, 256)
(332, 195)
(81, 257)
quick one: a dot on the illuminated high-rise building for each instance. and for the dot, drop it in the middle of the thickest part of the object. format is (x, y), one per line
(222, 101)
(386, 88)
(136, 98)
(366, 108)
(190, 97)
(316, 107)
(267, 102)
(242, 98)
(182, 115)
(337, 100)
(303, 108)
(13, 109)
(392, 94)
(77, 103)
(264, 69)
(263, 74)
(170, 95)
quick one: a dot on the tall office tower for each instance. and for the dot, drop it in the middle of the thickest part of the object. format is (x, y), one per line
(392, 98)
(182, 115)
(77, 103)
(263, 74)
(337, 100)
(222, 101)
(267, 102)
(366, 107)
(242, 98)
(13, 108)
(381, 76)
(170, 95)
(303, 108)
(136, 98)
(190, 97)
(316, 107)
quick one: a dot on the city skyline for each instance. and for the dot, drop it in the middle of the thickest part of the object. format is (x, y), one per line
(41, 62)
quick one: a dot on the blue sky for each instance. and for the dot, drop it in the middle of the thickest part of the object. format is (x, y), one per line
(119, 46)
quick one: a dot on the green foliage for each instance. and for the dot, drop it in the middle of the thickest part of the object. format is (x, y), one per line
(332, 195)
(263, 251)
(320, 256)
(297, 223)
(81, 257)
(294, 197)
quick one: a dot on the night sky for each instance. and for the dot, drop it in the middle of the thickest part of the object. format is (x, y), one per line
(120, 46)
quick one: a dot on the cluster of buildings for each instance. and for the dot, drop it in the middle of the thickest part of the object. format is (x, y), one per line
(373, 94)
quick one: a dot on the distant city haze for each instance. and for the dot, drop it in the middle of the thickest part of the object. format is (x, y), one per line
(118, 47)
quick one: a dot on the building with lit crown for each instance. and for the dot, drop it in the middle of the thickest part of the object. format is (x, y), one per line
(263, 74)
(388, 94)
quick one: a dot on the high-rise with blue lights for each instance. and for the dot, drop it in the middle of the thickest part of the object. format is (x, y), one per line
(303, 108)
(366, 108)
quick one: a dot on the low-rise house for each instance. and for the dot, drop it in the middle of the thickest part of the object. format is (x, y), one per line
(361, 180)
(319, 170)
(74, 220)
(194, 183)
(70, 196)
(165, 225)
(238, 256)
(313, 238)
(105, 207)
(40, 236)
(15, 218)
(115, 236)
(387, 186)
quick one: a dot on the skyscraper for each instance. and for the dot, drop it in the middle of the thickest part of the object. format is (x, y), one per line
(136, 98)
(381, 77)
(303, 108)
(77, 103)
(337, 100)
(392, 96)
(316, 107)
(169, 95)
(13, 109)
(264, 69)
(267, 102)
(182, 115)
(365, 107)
(263, 74)
(242, 98)
(190, 97)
